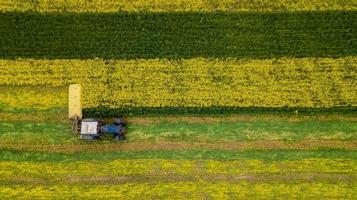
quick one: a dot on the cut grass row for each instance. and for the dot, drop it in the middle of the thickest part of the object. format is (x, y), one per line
(177, 35)
(59, 133)
(246, 131)
(271, 155)
(105, 6)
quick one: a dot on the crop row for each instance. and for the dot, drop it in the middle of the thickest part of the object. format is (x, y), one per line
(195, 83)
(183, 190)
(177, 35)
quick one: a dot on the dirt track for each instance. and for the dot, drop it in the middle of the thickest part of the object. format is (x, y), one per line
(157, 146)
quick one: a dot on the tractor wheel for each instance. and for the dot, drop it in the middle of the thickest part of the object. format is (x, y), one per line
(75, 126)
(119, 137)
(122, 137)
(119, 121)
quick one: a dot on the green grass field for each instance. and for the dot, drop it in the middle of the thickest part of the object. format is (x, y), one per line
(224, 99)
(248, 152)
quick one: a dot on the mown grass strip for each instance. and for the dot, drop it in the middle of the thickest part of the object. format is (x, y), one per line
(244, 131)
(50, 116)
(283, 134)
(105, 6)
(183, 190)
(37, 132)
(270, 155)
(177, 35)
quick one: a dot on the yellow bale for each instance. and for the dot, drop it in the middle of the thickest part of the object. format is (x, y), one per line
(75, 101)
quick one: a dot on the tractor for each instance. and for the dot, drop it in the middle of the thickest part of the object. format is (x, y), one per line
(89, 128)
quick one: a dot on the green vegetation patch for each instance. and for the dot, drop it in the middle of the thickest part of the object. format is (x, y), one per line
(178, 35)
(36, 132)
(244, 131)
(271, 155)
(60, 133)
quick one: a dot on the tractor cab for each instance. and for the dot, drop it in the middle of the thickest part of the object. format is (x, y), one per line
(88, 129)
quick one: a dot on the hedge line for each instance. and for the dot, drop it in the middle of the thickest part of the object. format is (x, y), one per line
(178, 35)
(107, 6)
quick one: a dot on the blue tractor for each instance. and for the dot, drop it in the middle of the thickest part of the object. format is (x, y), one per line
(91, 129)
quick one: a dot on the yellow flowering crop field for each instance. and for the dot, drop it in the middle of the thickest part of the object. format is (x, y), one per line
(108, 6)
(224, 99)
(162, 168)
(29, 98)
(185, 190)
(195, 83)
